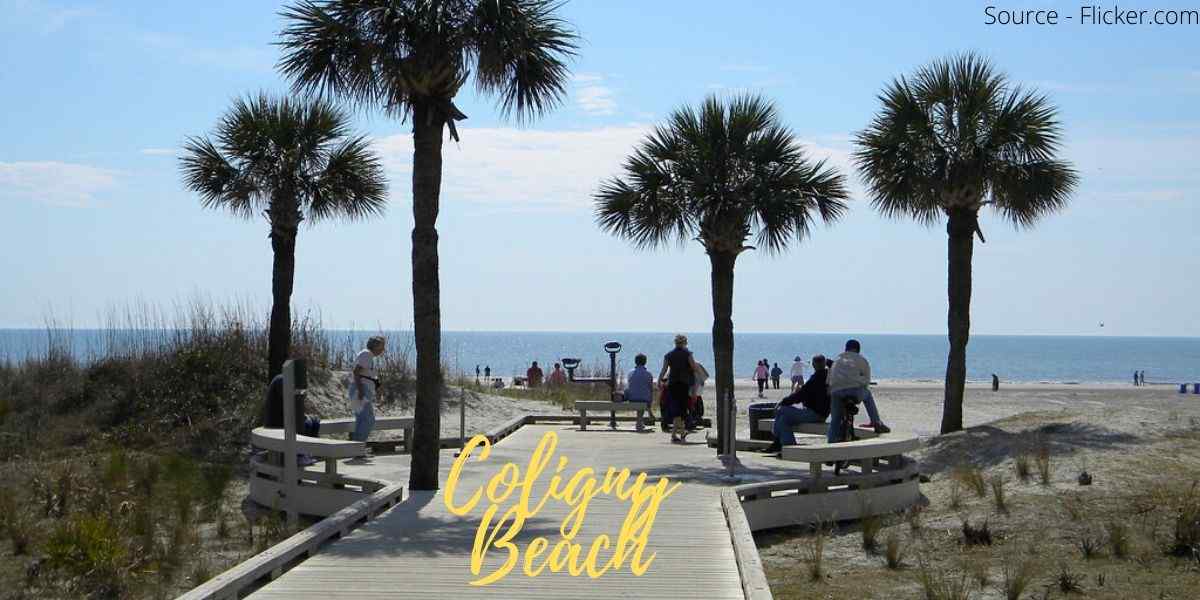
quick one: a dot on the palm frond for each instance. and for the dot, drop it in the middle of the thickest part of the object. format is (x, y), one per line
(220, 185)
(352, 185)
(521, 52)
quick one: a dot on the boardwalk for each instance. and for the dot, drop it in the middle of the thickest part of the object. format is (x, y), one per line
(420, 550)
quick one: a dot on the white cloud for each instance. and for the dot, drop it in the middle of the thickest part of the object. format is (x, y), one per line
(592, 96)
(158, 151)
(519, 169)
(55, 183)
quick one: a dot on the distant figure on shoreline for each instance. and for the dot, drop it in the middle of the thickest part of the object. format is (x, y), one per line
(776, 372)
(1135, 378)
(557, 376)
(1142, 378)
(487, 374)
(995, 383)
(476, 374)
(760, 375)
(533, 375)
(798, 371)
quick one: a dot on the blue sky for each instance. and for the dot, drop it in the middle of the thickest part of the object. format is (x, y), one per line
(98, 97)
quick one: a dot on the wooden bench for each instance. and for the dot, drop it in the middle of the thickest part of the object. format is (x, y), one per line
(867, 453)
(319, 493)
(583, 406)
(346, 425)
(768, 425)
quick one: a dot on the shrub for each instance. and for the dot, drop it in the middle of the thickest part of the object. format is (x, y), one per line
(1021, 464)
(913, 516)
(1074, 504)
(955, 494)
(20, 529)
(978, 568)
(116, 470)
(1088, 544)
(997, 482)
(893, 550)
(1118, 539)
(976, 536)
(201, 572)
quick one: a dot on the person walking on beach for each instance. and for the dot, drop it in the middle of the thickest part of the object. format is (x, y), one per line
(1135, 378)
(760, 375)
(850, 378)
(487, 374)
(1142, 377)
(995, 383)
(476, 374)
(533, 375)
(677, 374)
(776, 372)
(364, 384)
(813, 398)
(798, 372)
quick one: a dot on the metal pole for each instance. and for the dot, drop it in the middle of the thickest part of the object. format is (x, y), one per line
(290, 474)
(462, 418)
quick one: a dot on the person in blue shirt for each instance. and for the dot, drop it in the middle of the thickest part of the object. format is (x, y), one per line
(639, 384)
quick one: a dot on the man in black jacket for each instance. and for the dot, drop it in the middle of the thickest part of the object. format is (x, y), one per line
(813, 401)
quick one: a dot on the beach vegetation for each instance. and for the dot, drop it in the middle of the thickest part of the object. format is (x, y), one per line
(954, 137)
(411, 59)
(1022, 466)
(814, 551)
(998, 494)
(1043, 464)
(971, 477)
(976, 535)
(727, 173)
(870, 525)
(893, 550)
(1017, 572)
(1119, 543)
(942, 584)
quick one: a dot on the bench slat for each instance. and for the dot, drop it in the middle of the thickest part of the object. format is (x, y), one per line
(610, 406)
(857, 450)
(346, 424)
(768, 425)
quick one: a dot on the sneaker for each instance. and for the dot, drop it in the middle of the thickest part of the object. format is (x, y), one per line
(880, 428)
(305, 461)
(675, 439)
(774, 448)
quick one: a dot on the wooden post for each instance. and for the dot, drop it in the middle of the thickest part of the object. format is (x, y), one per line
(290, 474)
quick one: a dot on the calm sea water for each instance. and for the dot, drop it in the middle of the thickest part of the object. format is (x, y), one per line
(896, 357)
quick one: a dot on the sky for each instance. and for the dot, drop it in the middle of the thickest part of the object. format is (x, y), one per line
(97, 99)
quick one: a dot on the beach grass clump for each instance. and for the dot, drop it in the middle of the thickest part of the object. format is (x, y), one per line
(1088, 543)
(1069, 582)
(893, 550)
(871, 525)
(1043, 464)
(914, 516)
(971, 477)
(976, 535)
(1119, 543)
(998, 494)
(977, 565)
(1186, 526)
(1017, 572)
(948, 584)
(1022, 466)
(1074, 504)
(93, 552)
(814, 551)
(955, 499)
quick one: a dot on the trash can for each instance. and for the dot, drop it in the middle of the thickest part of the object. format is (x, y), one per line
(1196, 388)
(758, 412)
(1183, 388)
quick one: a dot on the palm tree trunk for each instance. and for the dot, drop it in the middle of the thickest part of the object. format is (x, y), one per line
(722, 340)
(427, 316)
(283, 274)
(961, 231)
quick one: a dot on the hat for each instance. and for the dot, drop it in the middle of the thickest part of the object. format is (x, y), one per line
(797, 359)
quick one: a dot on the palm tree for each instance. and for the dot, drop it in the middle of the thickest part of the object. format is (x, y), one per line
(411, 58)
(720, 174)
(291, 160)
(954, 138)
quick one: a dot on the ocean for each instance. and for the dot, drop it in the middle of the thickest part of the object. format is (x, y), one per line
(1050, 359)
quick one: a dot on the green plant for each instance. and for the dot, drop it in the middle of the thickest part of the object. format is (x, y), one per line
(997, 483)
(1021, 464)
(222, 530)
(20, 529)
(976, 564)
(976, 536)
(972, 477)
(870, 525)
(913, 516)
(1017, 572)
(1118, 539)
(201, 572)
(116, 470)
(893, 550)
(1186, 541)
(955, 494)
(1074, 504)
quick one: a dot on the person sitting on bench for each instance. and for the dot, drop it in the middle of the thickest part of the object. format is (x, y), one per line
(272, 415)
(850, 379)
(813, 399)
(639, 384)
